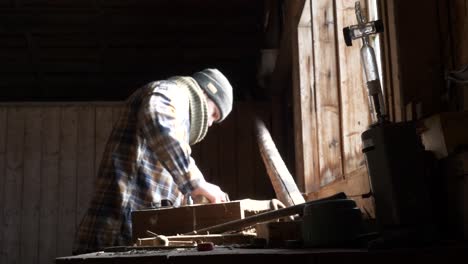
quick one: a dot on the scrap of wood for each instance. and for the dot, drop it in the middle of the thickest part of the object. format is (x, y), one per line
(187, 240)
(173, 221)
(241, 224)
(283, 183)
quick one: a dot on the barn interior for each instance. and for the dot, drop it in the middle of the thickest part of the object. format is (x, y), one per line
(68, 68)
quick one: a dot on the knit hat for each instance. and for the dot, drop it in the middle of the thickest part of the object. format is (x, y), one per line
(218, 89)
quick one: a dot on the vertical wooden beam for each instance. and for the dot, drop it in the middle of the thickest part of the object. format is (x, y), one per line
(326, 91)
(32, 185)
(354, 97)
(3, 154)
(13, 187)
(393, 62)
(50, 138)
(305, 123)
(387, 74)
(68, 180)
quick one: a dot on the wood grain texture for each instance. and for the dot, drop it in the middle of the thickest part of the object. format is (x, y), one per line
(305, 111)
(31, 185)
(49, 208)
(85, 158)
(13, 185)
(68, 180)
(326, 90)
(354, 186)
(354, 97)
(49, 154)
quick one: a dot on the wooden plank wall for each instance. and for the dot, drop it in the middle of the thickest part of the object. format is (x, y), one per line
(49, 156)
(331, 88)
(103, 50)
(417, 57)
(331, 92)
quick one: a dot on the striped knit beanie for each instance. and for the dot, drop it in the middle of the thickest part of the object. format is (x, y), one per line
(218, 89)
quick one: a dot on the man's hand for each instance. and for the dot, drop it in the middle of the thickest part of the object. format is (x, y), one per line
(212, 192)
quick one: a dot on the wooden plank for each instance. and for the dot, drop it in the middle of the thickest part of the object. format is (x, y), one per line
(104, 124)
(3, 154)
(241, 224)
(32, 185)
(445, 133)
(48, 221)
(354, 97)
(85, 163)
(283, 183)
(392, 40)
(68, 179)
(13, 187)
(172, 221)
(182, 240)
(326, 90)
(305, 115)
(387, 74)
(354, 186)
(244, 132)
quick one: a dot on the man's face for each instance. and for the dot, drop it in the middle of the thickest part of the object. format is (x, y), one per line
(213, 112)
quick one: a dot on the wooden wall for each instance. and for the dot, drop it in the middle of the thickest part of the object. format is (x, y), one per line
(104, 50)
(49, 155)
(330, 102)
(422, 40)
(418, 56)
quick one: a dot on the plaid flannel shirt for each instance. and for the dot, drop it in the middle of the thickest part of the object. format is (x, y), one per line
(147, 159)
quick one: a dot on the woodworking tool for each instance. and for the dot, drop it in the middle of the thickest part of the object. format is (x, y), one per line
(362, 31)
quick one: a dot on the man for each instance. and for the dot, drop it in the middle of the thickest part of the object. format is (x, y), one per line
(147, 158)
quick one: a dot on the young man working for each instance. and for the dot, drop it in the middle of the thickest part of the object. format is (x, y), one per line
(148, 157)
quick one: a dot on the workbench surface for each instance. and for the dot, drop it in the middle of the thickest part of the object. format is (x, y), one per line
(223, 255)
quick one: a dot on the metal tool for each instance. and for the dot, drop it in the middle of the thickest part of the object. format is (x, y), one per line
(362, 31)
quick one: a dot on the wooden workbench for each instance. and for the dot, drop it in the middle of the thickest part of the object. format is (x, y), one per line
(226, 255)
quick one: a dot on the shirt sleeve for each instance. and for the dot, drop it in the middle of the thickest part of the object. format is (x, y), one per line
(164, 123)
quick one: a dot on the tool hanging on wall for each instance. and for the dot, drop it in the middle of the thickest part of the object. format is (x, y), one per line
(362, 31)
